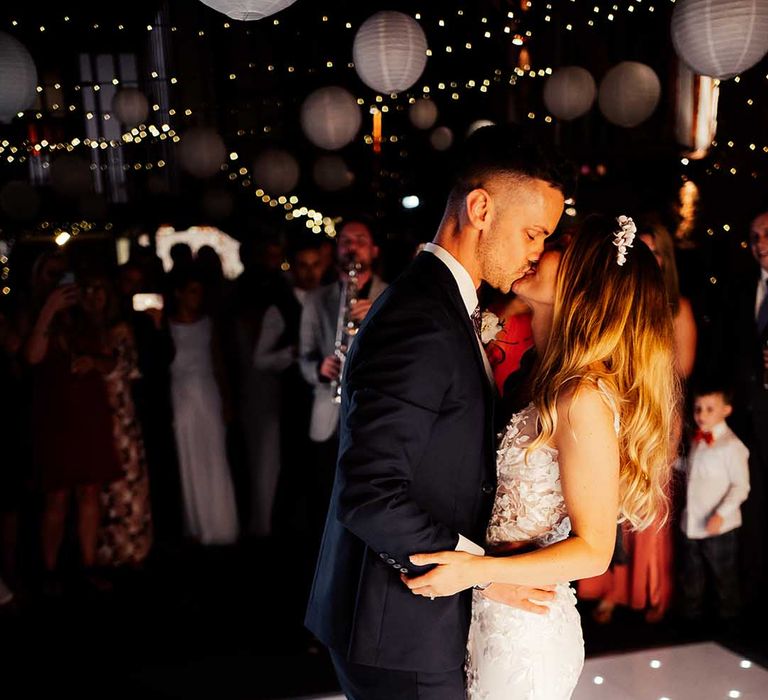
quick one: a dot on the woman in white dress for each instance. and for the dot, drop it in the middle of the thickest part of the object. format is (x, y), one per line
(210, 513)
(593, 444)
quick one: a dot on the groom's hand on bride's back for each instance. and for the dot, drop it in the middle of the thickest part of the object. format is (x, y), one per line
(523, 597)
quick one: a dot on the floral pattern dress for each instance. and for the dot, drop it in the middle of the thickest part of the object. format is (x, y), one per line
(126, 532)
(513, 654)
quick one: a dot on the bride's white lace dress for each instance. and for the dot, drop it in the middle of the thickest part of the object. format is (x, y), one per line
(513, 654)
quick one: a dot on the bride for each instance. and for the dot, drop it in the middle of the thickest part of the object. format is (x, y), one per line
(592, 445)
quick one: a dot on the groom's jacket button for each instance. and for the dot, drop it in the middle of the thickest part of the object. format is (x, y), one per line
(487, 488)
(391, 561)
(384, 555)
(403, 570)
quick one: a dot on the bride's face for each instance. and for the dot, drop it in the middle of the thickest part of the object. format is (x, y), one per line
(538, 287)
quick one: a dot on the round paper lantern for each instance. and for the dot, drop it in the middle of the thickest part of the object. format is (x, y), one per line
(330, 118)
(423, 113)
(441, 138)
(478, 124)
(720, 38)
(390, 51)
(202, 152)
(18, 78)
(248, 10)
(130, 106)
(629, 93)
(570, 92)
(276, 171)
(331, 173)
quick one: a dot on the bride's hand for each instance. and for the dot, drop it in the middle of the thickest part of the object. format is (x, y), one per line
(455, 571)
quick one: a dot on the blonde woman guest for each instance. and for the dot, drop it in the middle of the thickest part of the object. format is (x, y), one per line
(645, 581)
(591, 447)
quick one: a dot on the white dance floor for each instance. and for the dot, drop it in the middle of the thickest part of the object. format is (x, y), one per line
(691, 672)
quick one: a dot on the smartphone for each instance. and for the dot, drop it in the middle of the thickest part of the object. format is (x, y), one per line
(142, 302)
(67, 278)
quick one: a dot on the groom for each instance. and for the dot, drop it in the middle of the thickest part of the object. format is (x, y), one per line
(416, 468)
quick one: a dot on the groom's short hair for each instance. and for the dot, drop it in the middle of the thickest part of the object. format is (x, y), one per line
(505, 150)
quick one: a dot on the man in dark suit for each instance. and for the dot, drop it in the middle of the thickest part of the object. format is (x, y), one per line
(416, 468)
(744, 359)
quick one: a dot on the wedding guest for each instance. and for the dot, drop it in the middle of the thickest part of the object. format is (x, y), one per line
(717, 472)
(125, 535)
(281, 398)
(641, 575)
(211, 271)
(200, 413)
(318, 361)
(182, 257)
(742, 357)
(151, 390)
(74, 449)
(14, 467)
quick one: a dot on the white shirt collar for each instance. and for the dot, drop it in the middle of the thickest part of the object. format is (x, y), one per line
(763, 275)
(460, 274)
(719, 430)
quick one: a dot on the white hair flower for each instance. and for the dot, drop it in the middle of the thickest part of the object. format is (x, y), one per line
(624, 237)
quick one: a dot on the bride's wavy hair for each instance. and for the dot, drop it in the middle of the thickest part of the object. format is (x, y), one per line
(613, 323)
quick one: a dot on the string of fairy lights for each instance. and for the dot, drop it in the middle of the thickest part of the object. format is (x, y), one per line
(516, 26)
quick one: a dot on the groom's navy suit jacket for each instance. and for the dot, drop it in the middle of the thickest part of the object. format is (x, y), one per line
(416, 468)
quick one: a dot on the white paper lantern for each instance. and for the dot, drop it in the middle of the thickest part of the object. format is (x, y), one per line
(202, 152)
(570, 92)
(330, 118)
(441, 138)
(478, 124)
(390, 51)
(331, 173)
(248, 10)
(720, 38)
(276, 171)
(18, 78)
(423, 113)
(130, 106)
(629, 93)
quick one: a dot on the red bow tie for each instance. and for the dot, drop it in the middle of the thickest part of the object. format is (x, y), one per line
(701, 435)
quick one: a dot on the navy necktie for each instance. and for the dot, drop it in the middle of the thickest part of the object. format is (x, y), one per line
(762, 314)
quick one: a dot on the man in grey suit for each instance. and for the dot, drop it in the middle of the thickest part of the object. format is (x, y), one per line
(318, 362)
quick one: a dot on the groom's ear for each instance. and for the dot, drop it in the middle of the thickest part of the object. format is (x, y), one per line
(478, 208)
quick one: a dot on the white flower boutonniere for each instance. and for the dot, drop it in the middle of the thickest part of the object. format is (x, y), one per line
(490, 327)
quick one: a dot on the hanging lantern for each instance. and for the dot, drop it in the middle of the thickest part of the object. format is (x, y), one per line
(695, 110)
(390, 52)
(479, 124)
(570, 92)
(441, 138)
(331, 173)
(18, 78)
(131, 107)
(629, 93)
(248, 10)
(423, 113)
(202, 152)
(276, 171)
(720, 38)
(330, 118)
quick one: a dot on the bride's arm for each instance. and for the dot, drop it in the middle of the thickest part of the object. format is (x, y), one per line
(588, 455)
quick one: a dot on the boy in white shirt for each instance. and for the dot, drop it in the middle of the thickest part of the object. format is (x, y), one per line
(717, 484)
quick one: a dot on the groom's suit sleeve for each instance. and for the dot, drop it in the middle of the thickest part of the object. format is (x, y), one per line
(396, 384)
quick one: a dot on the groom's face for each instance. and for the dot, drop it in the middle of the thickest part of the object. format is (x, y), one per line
(523, 214)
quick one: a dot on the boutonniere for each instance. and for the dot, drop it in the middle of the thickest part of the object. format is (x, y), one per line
(490, 326)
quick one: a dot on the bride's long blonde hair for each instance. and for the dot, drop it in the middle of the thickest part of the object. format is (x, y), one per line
(613, 323)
